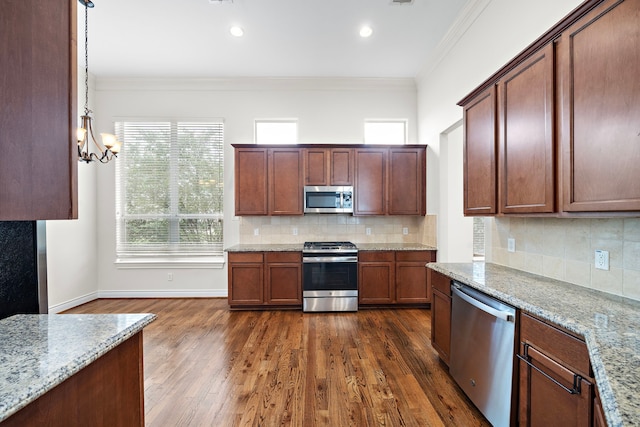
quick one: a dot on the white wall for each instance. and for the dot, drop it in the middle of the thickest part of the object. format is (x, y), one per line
(498, 31)
(72, 250)
(328, 111)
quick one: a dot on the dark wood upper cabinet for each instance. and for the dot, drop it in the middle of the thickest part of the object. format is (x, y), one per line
(598, 68)
(407, 180)
(371, 181)
(285, 181)
(251, 188)
(328, 166)
(525, 135)
(480, 190)
(38, 118)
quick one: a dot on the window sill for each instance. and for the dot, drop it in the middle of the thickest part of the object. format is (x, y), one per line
(211, 262)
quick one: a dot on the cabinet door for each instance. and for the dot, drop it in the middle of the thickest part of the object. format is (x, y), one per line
(341, 166)
(411, 276)
(371, 181)
(480, 191)
(598, 63)
(285, 181)
(527, 159)
(441, 324)
(545, 403)
(284, 278)
(407, 177)
(440, 289)
(316, 166)
(38, 165)
(251, 181)
(246, 279)
(376, 277)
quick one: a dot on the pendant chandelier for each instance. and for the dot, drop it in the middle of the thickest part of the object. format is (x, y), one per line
(110, 146)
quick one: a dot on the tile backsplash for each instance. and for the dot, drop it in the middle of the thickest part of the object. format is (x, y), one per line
(564, 249)
(337, 227)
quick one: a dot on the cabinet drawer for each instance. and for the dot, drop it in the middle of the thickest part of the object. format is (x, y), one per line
(555, 343)
(284, 256)
(245, 257)
(375, 256)
(440, 282)
(422, 256)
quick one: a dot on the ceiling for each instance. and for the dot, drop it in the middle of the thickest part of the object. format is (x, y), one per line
(282, 38)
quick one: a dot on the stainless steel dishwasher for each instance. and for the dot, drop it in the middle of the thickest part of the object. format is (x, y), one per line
(482, 351)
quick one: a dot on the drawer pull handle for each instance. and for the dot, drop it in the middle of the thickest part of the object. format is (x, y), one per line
(577, 379)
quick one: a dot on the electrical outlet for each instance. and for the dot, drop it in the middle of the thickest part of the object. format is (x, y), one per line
(511, 245)
(295, 231)
(602, 259)
(169, 277)
(367, 231)
(405, 230)
(256, 231)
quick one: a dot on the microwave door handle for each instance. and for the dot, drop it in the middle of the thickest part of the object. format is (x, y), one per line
(342, 200)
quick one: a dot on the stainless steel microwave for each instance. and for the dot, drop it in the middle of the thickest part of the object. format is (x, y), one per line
(328, 199)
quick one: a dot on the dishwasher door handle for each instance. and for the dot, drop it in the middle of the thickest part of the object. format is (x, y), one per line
(503, 315)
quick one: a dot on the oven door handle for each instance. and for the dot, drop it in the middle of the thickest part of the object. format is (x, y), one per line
(323, 259)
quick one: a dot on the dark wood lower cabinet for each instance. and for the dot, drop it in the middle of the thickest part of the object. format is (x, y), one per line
(265, 279)
(440, 286)
(109, 392)
(393, 277)
(554, 389)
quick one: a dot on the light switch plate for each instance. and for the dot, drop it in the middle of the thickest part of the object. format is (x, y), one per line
(511, 245)
(367, 231)
(256, 231)
(295, 231)
(602, 259)
(405, 230)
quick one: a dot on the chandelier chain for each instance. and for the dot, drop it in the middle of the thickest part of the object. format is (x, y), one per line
(86, 59)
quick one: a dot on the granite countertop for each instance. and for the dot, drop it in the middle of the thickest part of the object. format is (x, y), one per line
(297, 247)
(609, 324)
(40, 351)
(394, 247)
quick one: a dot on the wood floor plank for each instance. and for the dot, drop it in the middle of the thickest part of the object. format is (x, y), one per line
(207, 366)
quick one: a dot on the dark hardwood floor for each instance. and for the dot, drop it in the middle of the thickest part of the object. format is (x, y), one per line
(208, 366)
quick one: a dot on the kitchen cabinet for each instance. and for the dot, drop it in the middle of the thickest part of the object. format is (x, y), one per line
(376, 277)
(371, 181)
(265, 279)
(38, 166)
(599, 91)
(328, 166)
(393, 277)
(412, 286)
(526, 154)
(556, 384)
(268, 181)
(440, 286)
(578, 83)
(407, 180)
(479, 169)
(390, 181)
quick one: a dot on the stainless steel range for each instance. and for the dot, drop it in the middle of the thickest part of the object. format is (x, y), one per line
(330, 276)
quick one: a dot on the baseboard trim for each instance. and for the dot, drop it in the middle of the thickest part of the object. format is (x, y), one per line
(58, 308)
(174, 293)
(204, 293)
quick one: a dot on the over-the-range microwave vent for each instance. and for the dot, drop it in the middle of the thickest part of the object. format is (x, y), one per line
(401, 1)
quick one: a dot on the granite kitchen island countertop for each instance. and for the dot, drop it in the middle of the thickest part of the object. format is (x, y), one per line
(609, 324)
(40, 351)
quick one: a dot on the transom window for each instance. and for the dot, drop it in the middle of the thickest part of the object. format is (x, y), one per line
(276, 131)
(385, 132)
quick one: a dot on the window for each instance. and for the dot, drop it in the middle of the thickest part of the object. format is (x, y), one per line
(385, 132)
(276, 131)
(169, 189)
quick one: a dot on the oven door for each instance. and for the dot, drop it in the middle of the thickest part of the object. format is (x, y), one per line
(329, 286)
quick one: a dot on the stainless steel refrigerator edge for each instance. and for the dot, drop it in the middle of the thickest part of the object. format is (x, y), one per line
(482, 351)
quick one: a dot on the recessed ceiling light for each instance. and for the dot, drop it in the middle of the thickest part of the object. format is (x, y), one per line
(236, 31)
(366, 31)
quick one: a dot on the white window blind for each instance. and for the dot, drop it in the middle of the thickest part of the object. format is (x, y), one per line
(169, 188)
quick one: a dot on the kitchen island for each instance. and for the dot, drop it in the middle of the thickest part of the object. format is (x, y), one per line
(72, 369)
(609, 324)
